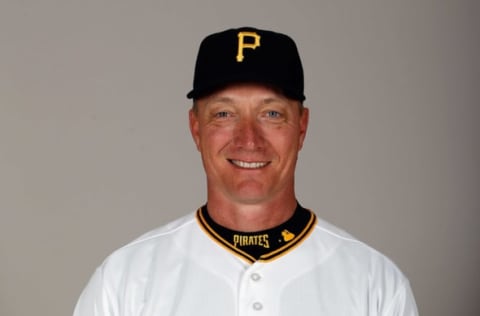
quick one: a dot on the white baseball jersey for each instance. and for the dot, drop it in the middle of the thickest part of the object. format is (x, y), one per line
(183, 269)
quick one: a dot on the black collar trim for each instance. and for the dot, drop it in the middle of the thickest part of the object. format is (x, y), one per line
(302, 216)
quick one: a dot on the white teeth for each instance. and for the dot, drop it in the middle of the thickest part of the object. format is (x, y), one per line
(249, 165)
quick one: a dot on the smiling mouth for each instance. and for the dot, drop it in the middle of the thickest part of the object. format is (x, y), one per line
(248, 165)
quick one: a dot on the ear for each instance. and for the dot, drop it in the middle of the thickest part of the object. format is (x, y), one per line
(194, 127)
(304, 117)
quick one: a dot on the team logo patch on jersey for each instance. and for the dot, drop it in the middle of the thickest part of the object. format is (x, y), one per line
(287, 236)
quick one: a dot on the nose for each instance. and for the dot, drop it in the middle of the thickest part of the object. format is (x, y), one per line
(248, 134)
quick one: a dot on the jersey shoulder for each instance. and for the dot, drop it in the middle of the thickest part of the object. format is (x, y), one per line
(334, 232)
(166, 230)
(160, 240)
(332, 238)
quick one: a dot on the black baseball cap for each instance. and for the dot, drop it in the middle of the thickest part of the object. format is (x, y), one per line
(248, 55)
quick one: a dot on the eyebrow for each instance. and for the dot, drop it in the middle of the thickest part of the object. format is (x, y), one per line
(273, 99)
(221, 99)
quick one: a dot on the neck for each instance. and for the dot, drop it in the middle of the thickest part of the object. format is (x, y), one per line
(251, 217)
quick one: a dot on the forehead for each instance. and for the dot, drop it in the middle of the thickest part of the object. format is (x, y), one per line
(245, 91)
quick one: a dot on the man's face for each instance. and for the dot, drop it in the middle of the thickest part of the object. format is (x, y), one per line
(249, 137)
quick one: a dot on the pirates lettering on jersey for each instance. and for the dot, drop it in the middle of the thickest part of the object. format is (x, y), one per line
(251, 240)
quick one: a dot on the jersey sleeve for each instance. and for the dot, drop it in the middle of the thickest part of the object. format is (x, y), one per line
(390, 291)
(403, 303)
(94, 300)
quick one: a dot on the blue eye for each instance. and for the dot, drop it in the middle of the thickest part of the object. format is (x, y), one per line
(222, 114)
(273, 114)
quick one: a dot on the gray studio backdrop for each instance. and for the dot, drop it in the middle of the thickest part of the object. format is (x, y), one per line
(95, 149)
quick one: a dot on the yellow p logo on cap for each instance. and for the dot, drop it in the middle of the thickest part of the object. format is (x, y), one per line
(242, 45)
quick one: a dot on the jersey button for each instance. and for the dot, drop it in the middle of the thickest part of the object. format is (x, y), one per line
(257, 306)
(255, 277)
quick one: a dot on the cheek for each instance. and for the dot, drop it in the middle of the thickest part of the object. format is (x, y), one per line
(284, 140)
(287, 149)
(214, 139)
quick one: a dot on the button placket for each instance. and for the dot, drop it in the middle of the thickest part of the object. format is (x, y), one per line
(253, 293)
(255, 277)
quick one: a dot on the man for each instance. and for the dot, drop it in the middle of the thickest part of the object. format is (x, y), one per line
(252, 249)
